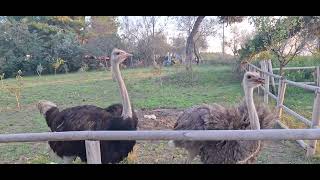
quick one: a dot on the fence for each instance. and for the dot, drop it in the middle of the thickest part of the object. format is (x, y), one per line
(93, 138)
(316, 73)
(267, 72)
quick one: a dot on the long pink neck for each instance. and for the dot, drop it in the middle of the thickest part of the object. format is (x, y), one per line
(127, 110)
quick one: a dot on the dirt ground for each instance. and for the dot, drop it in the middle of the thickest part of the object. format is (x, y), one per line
(158, 152)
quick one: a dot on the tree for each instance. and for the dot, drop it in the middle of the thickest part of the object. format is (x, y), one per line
(312, 26)
(185, 24)
(178, 46)
(199, 43)
(153, 28)
(27, 41)
(141, 34)
(234, 42)
(237, 40)
(101, 37)
(285, 37)
(103, 26)
(161, 48)
(228, 20)
(190, 41)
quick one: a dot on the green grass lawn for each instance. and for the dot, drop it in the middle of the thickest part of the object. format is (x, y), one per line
(208, 84)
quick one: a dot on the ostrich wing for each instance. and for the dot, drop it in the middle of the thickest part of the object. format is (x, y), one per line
(82, 118)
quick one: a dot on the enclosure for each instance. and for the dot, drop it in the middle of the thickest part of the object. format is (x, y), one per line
(174, 65)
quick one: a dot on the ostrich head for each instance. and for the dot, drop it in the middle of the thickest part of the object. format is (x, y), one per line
(118, 56)
(252, 80)
(44, 106)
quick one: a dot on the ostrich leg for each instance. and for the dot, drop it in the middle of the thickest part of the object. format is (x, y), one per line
(68, 159)
(191, 156)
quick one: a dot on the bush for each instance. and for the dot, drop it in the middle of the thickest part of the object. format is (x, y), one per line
(22, 47)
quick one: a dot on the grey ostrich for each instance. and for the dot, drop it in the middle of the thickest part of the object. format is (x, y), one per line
(244, 116)
(88, 117)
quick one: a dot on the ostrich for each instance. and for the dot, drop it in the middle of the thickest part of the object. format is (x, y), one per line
(88, 117)
(216, 117)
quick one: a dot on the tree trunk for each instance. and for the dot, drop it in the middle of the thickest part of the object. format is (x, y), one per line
(281, 73)
(190, 42)
(223, 39)
(154, 63)
(318, 45)
(196, 53)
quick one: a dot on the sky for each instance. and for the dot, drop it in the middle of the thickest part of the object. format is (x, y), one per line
(215, 43)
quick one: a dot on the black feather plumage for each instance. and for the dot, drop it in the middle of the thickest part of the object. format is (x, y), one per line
(88, 117)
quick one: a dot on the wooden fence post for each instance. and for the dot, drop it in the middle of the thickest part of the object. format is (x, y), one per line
(315, 124)
(273, 89)
(258, 89)
(318, 76)
(93, 152)
(266, 77)
(267, 82)
(281, 93)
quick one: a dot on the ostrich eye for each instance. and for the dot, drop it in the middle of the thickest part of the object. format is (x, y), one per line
(117, 53)
(249, 77)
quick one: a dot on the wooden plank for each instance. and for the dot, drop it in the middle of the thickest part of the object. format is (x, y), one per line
(192, 135)
(302, 85)
(272, 78)
(300, 142)
(93, 152)
(267, 81)
(315, 123)
(281, 93)
(271, 95)
(295, 68)
(318, 76)
(309, 83)
(298, 116)
(258, 69)
(265, 95)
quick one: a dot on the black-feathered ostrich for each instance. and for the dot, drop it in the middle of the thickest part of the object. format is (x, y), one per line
(216, 117)
(88, 117)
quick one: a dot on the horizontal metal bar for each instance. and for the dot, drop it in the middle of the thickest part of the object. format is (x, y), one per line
(194, 135)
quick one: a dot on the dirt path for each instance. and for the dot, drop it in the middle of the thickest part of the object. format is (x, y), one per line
(274, 152)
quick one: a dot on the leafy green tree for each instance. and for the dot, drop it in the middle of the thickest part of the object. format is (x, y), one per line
(26, 41)
(285, 37)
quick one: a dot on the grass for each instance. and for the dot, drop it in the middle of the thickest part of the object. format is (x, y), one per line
(208, 84)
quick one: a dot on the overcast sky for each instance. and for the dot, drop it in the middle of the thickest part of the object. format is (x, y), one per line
(213, 42)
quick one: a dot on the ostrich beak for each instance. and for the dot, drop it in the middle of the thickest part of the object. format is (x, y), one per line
(260, 80)
(128, 54)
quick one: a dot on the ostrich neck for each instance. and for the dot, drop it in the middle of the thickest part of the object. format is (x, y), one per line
(253, 116)
(127, 110)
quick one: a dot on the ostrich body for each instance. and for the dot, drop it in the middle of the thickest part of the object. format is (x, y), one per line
(88, 117)
(245, 116)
